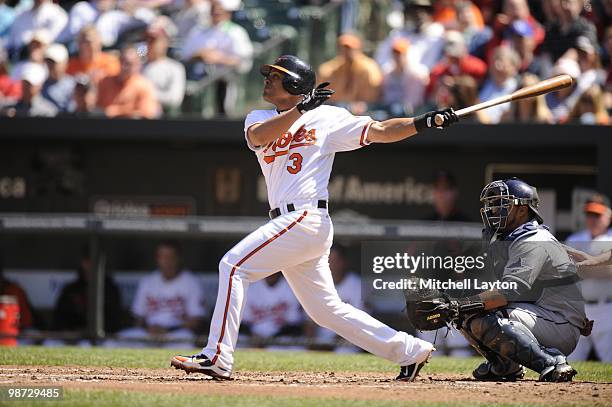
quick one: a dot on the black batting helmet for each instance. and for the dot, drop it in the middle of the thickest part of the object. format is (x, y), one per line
(299, 77)
(499, 197)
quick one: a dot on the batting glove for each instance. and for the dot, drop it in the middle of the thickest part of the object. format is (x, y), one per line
(315, 98)
(427, 120)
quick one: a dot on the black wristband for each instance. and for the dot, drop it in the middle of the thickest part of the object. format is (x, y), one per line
(471, 305)
(420, 122)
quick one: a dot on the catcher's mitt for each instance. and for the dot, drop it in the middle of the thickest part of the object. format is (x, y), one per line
(429, 310)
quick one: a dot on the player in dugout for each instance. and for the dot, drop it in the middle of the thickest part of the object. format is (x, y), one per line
(295, 144)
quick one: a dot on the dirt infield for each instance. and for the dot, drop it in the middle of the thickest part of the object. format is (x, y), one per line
(345, 385)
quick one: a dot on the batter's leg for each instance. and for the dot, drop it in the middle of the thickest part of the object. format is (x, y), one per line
(281, 243)
(313, 286)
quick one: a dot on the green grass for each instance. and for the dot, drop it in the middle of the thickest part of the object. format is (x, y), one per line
(258, 360)
(246, 360)
(94, 398)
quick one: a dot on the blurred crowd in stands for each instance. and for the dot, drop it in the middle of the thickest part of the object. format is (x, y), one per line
(133, 58)
(457, 53)
(113, 58)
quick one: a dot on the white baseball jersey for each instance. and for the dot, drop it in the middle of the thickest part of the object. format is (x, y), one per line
(297, 166)
(270, 308)
(167, 303)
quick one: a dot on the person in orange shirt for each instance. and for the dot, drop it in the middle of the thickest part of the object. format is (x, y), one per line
(7, 287)
(128, 94)
(354, 76)
(90, 59)
(445, 13)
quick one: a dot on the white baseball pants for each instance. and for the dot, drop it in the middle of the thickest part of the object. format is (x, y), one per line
(297, 243)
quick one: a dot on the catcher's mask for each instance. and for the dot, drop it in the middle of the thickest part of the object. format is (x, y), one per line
(499, 197)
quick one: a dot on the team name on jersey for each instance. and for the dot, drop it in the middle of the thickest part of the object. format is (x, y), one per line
(288, 141)
(176, 304)
(275, 312)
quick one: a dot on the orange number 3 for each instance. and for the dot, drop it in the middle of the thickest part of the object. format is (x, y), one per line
(297, 163)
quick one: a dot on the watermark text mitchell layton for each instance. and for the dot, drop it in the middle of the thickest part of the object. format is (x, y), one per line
(432, 283)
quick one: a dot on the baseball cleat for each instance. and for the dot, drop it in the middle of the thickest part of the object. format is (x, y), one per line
(484, 373)
(199, 364)
(560, 372)
(410, 372)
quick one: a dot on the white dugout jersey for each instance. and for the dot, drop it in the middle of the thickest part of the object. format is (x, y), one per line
(167, 303)
(271, 308)
(297, 165)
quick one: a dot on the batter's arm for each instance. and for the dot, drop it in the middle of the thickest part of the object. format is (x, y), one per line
(263, 133)
(392, 130)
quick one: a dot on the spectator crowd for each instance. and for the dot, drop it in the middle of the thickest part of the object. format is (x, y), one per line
(114, 58)
(457, 53)
(132, 58)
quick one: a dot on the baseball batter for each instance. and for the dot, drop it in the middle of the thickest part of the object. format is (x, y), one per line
(295, 144)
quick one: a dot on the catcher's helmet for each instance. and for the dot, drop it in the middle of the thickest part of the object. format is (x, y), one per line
(499, 197)
(299, 77)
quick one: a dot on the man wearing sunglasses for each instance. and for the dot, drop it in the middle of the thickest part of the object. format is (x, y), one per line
(295, 144)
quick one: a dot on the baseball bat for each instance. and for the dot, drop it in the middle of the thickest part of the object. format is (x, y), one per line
(540, 88)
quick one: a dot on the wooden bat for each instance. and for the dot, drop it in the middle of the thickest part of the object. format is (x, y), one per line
(540, 88)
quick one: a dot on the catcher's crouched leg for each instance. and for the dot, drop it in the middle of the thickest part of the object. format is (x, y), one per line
(496, 368)
(507, 345)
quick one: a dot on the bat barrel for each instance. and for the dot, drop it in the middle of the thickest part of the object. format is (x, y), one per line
(540, 88)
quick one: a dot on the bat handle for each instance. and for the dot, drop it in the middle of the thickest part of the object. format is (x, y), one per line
(439, 120)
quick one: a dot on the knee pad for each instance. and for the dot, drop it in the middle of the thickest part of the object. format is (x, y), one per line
(511, 340)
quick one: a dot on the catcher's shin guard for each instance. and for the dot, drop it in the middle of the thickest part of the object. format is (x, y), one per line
(510, 340)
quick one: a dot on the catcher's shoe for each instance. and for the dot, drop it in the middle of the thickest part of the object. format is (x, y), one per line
(200, 364)
(484, 373)
(560, 372)
(410, 372)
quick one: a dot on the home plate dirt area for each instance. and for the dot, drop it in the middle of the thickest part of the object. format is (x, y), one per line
(441, 388)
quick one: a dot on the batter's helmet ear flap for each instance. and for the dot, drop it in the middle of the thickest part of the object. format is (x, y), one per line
(299, 78)
(292, 85)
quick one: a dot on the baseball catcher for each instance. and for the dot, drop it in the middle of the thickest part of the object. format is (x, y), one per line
(535, 325)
